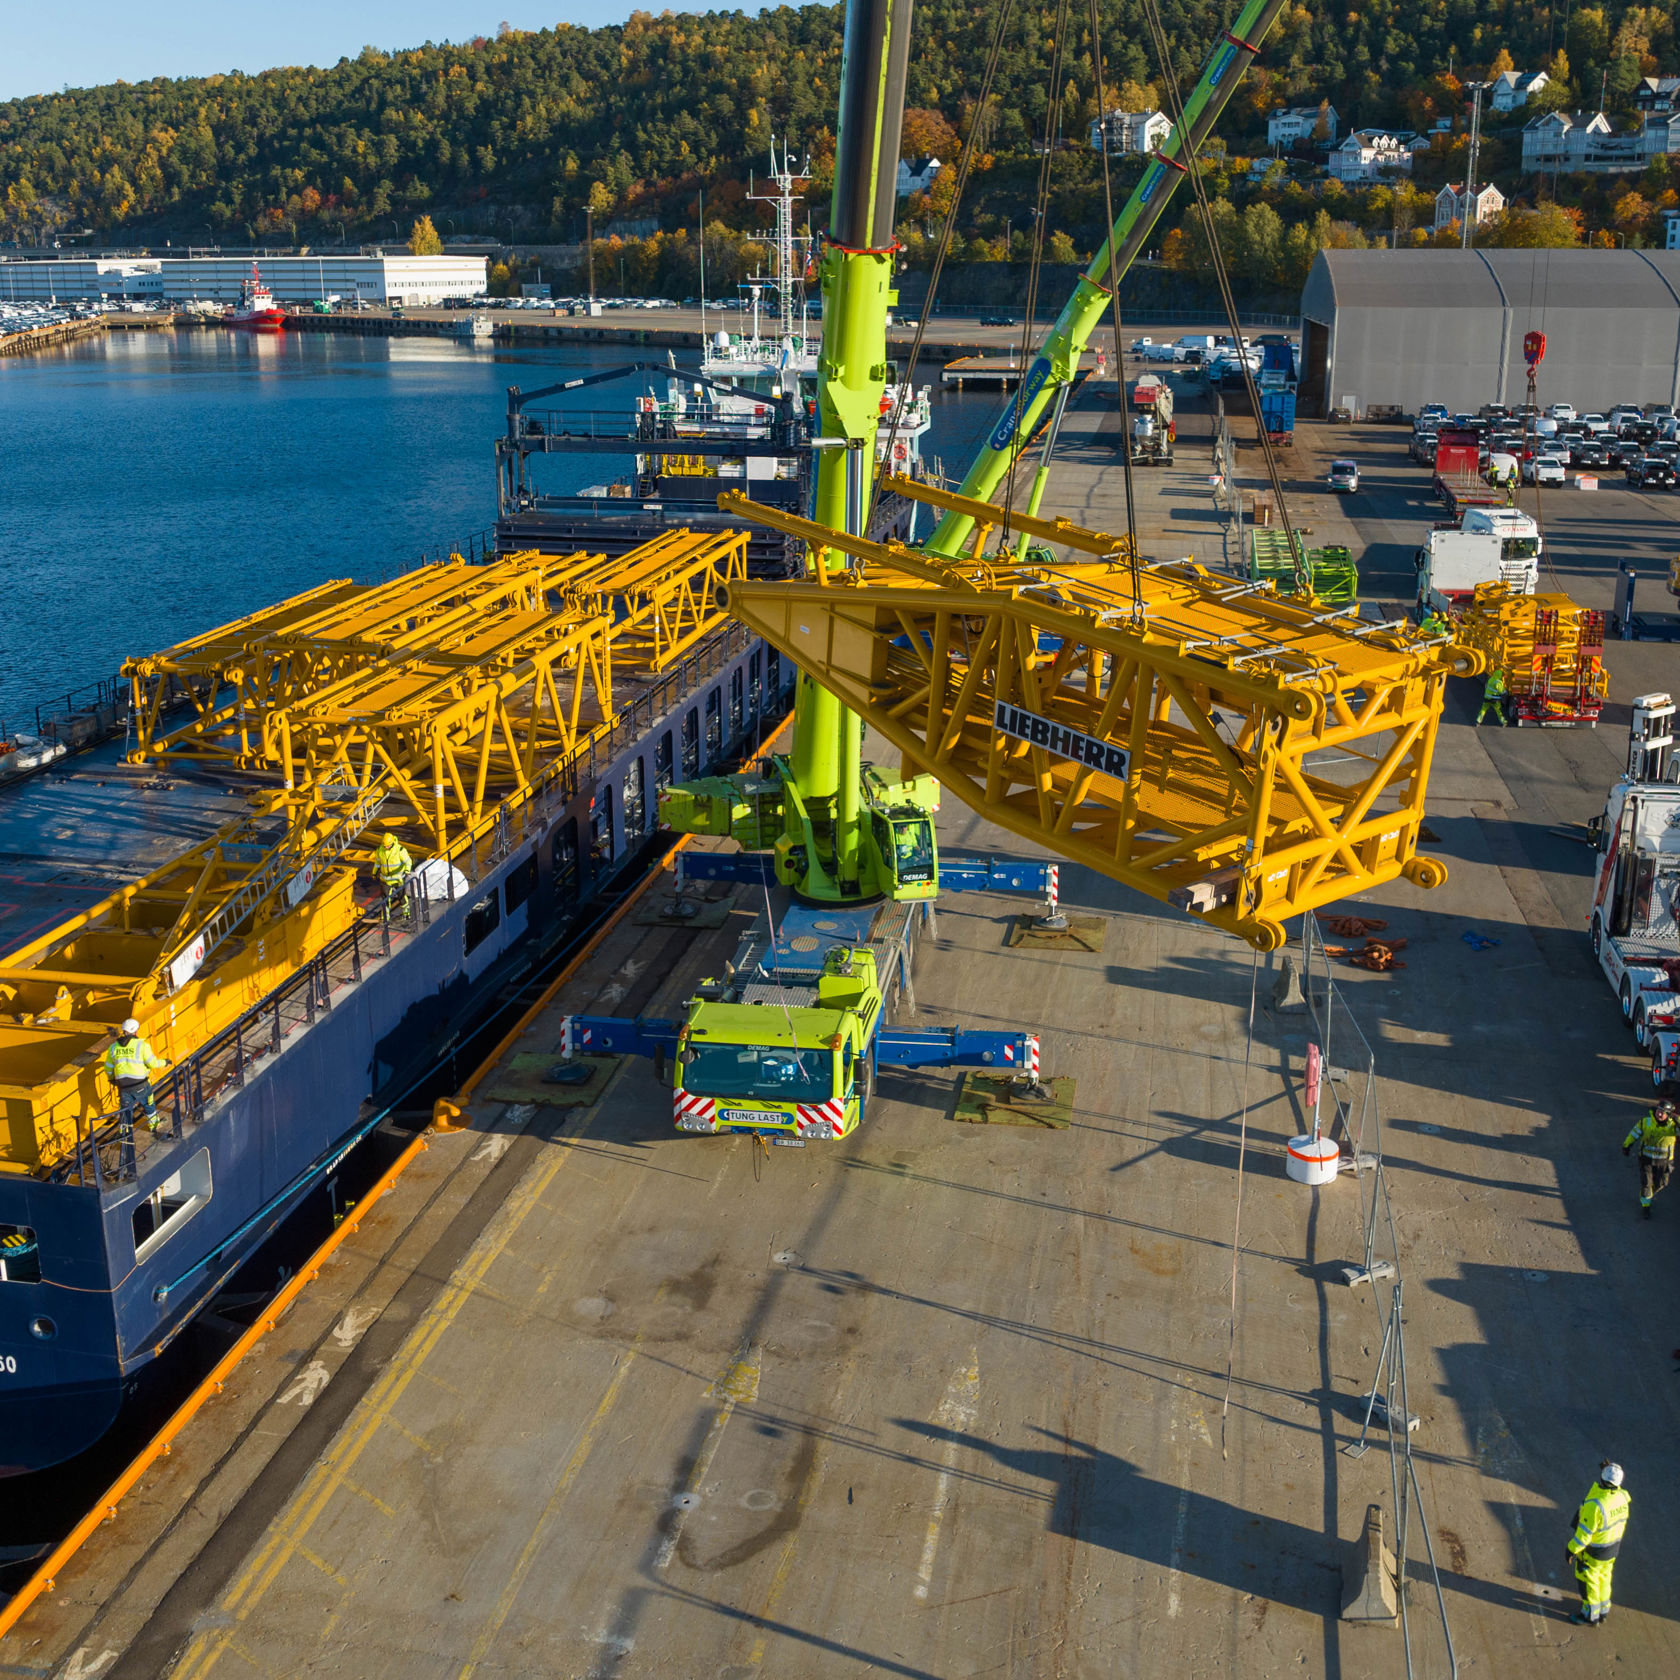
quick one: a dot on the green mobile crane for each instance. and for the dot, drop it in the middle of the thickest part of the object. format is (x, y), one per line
(840, 831)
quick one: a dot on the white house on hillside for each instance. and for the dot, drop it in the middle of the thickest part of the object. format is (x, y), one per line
(1583, 142)
(1289, 124)
(1671, 230)
(1131, 131)
(1452, 204)
(1368, 154)
(916, 174)
(1512, 89)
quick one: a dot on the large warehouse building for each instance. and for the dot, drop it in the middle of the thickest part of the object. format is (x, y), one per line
(1413, 327)
(373, 279)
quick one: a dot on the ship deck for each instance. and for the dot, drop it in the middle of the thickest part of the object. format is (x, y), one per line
(77, 830)
(586, 1397)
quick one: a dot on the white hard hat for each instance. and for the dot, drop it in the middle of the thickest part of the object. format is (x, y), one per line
(131, 1025)
(1610, 1473)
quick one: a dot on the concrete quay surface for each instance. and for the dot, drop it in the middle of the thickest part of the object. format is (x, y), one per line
(590, 1398)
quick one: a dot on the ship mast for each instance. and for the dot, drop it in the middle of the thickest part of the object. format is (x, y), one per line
(785, 177)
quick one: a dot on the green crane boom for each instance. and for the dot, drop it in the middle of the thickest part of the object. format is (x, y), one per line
(1058, 358)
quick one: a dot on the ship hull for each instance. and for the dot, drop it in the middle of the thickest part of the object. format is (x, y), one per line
(261, 320)
(126, 1268)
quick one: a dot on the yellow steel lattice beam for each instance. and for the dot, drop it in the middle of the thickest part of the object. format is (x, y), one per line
(1245, 756)
(460, 684)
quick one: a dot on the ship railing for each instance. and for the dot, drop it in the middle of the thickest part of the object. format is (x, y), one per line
(93, 712)
(110, 1151)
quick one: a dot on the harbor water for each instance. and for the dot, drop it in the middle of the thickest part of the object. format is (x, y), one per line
(159, 484)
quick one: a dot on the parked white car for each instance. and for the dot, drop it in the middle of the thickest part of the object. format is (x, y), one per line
(1561, 411)
(1544, 469)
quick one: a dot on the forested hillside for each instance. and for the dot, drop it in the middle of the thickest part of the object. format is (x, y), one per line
(516, 134)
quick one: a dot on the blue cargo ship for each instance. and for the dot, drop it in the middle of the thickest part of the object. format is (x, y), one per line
(177, 860)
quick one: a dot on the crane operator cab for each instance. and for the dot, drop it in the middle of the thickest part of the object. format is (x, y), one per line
(905, 845)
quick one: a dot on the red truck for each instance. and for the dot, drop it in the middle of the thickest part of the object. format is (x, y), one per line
(1459, 462)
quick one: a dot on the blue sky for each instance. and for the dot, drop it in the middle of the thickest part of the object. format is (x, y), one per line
(91, 41)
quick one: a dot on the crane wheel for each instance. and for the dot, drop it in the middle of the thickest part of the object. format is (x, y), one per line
(1425, 872)
(1266, 936)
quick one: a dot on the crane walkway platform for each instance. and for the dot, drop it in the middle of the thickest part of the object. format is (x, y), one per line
(587, 1397)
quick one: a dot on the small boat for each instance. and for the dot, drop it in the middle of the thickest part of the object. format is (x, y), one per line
(474, 326)
(256, 308)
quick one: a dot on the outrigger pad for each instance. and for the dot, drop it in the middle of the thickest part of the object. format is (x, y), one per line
(1370, 1590)
(1082, 933)
(996, 1099)
(525, 1079)
(695, 912)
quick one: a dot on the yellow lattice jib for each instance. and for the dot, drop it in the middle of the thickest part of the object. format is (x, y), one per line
(1243, 755)
(452, 685)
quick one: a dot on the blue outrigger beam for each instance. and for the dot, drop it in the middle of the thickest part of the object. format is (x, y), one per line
(958, 871)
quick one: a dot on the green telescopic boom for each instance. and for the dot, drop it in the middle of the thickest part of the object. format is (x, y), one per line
(826, 762)
(1058, 358)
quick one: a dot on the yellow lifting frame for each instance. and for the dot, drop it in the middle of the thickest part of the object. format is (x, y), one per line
(1181, 743)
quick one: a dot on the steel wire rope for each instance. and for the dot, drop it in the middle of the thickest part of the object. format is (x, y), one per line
(1404, 1481)
(1534, 419)
(1192, 166)
(1236, 1222)
(965, 163)
(1138, 613)
(1041, 218)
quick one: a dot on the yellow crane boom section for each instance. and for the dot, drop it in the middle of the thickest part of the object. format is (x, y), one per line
(459, 683)
(1243, 755)
(443, 699)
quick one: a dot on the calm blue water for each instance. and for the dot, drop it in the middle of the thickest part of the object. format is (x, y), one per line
(154, 485)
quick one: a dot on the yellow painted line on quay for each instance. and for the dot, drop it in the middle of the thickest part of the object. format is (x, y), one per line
(288, 1534)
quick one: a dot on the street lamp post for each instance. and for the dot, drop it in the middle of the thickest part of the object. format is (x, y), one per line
(1470, 163)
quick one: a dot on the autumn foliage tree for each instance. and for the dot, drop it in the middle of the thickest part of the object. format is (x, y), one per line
(928, 134)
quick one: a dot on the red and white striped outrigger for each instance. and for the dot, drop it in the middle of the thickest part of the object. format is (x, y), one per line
(692, 1113)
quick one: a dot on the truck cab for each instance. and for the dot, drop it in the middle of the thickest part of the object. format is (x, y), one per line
(763, 1064)
(1636, 894)
(1489, 545)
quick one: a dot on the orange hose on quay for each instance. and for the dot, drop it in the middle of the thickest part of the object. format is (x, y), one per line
(446, 1115)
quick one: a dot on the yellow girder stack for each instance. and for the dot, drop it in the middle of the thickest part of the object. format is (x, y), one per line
(456, 685)
(1242, 755)
(443, 701)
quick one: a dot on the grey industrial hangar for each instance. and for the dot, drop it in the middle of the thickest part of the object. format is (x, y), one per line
(1412, 327)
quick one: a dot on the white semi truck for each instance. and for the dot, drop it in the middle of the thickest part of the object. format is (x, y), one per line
(1489, 545)
(1636, 896)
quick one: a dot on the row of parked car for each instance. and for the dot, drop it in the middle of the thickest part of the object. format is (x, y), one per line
(1541, 445)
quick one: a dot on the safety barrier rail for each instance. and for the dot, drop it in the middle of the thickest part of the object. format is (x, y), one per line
(94, 709)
